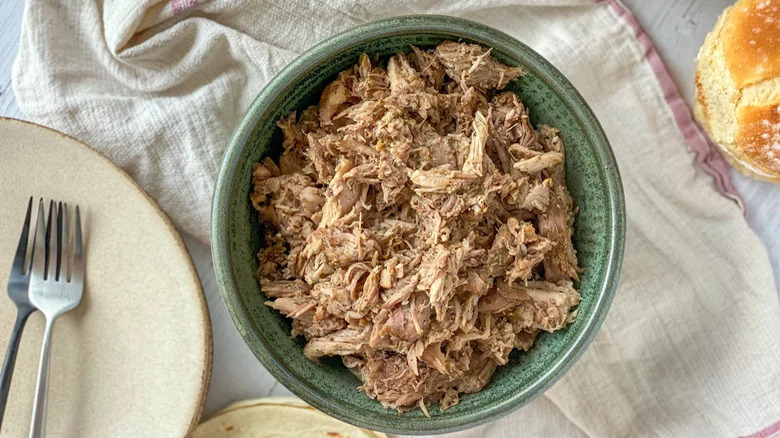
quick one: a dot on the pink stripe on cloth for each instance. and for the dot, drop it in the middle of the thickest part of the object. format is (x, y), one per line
(180, 5)
(772, 431)
(707, 155)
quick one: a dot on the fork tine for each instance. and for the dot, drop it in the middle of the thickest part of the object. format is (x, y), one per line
(50, 256)
(62, 252)
(21, 251)
(77, 270)
(39, 250)
(67, 252)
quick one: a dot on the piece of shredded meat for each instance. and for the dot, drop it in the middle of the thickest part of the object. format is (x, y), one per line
(417, 225)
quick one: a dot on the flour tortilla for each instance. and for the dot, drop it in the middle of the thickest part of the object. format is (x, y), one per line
(278, 417)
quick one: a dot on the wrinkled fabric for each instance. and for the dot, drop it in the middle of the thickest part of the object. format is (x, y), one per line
(691, 345)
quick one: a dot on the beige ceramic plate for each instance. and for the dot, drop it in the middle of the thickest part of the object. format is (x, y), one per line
(134, 359)
(278, 417)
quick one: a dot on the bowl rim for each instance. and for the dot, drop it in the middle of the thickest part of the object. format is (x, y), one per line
(303, 65)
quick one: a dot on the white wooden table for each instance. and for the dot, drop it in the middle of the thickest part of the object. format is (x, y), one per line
(677, 26)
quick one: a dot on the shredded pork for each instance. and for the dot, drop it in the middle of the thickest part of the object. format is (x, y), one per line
(417, 225)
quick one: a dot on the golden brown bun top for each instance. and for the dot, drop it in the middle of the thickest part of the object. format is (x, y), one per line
(759, 134)
(751, 41)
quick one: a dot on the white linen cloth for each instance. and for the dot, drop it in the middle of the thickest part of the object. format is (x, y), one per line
(691, 345)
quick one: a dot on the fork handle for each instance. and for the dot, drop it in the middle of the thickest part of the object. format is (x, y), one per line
(38, 425)
(7, 373)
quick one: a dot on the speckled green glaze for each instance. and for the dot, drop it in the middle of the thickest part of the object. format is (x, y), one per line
(592, 177)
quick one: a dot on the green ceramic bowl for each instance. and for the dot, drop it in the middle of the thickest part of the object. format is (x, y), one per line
(592, 177)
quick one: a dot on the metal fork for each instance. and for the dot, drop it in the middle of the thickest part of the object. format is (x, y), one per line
(18, 284)
(56, 285)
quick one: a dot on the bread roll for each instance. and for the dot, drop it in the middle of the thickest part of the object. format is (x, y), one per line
(738, 87)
